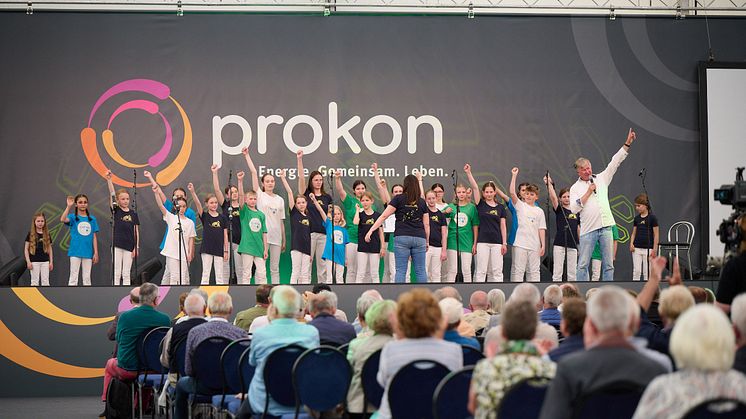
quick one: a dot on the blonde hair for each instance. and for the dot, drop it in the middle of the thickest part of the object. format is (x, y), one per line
(703, 339)
(33, 235)
(121, 191)
(342, 222)
(209, 197)
(674, 301)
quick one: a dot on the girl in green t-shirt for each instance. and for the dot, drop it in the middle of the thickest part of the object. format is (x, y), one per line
(468, 230)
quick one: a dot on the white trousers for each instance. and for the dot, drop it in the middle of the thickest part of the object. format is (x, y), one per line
(351, 259)
(595, 269)
(367, 267)
(275, 250)
(525, 262)
(122, 266)
(75, 264)
(640, 264)
(453, 265)
(433, 264)
(171, 272)
(318, 242)
(260, 276)
(489, 257)
(236, 262)
(39, 271)
(301, 273)
(208, 263)
(558, 254)
(339, 270)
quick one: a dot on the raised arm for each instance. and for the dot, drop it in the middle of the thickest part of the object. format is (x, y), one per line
(356, 218)
(216, 185)
(112, 194)
(66, 211)
(418, 175)
(380, 184)
(195, 198)
(155, 186)
(252, 169)
(316, 202)
(552, 193)
(301, 173)
(473, 183)
(338, 185)
(240, 176)
(291, 198)
(159, 197)
(514, 176)
(646, 295)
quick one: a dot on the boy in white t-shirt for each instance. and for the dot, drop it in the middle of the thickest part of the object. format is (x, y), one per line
(529, 244)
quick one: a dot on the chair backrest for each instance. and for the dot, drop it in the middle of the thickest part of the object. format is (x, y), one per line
(411, 390)
(206, 363)
(718, 409)
(278, 373)
(344, 348)
(229, 365)
(372, 391)
(452, 395)
(681, 231)
(149, 350)
(321, 378)
(247, 370)
(471, 355)
(180, 357)
(524, 398)
(614, 401)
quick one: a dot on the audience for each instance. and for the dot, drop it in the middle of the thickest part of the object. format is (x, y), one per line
(571, 327)
(703, 346)
(244, 318)
(366, 300)
(378, 320)
(699, 294)
(221, 307)
(419, 327)
(181, 313)
(195, 308)
(453, 311)
(332, 331)
(111, 331)
(608, 359)
(479, 317)
(317, 288)
(282, 331)
(496, 300)
(552, 300)
(526, 292)
(738, 317)
(516, 359)
(130, 327)
(464, 329)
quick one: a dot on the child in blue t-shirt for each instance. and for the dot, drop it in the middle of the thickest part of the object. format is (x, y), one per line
(333, 250)
(83, 250)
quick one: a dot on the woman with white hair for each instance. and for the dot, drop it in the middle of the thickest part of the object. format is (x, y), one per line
(703, 345)
(496, 299)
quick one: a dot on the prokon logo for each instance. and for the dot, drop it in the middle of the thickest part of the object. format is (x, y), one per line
(166, 171)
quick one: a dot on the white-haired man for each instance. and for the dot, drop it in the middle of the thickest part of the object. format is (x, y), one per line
(609, 358)
(453, 311)
(589, 198)
(552, 300)
(282, 331)
(332, 331)
(221, 307)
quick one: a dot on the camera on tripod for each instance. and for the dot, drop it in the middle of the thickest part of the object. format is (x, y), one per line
(734, 195)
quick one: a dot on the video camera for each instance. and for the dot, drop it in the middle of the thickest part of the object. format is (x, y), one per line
(734, 195)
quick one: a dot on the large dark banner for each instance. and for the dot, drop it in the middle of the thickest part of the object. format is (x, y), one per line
(82, 93)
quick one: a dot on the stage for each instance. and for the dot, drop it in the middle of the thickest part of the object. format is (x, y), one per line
(54, 340)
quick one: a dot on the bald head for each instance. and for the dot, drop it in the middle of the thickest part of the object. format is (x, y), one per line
(135, 296)
(478, 301)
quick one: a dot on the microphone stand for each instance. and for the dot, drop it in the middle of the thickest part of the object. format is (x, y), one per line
(459, 272)
(331, 189)
(232, 277)
(643, 175)
(549, 255)
(182, 245)
(134, 209)
(112, 207)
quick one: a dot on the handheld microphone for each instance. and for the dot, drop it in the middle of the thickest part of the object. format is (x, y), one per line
(642, 172)
(175, 202)
(453, 174)
(592, 183)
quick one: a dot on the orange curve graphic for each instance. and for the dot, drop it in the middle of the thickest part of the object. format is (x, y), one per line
(20, 353)
(172, 171)
(33, 298)
(88, 142)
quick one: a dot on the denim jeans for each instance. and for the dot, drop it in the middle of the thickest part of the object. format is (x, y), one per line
(585, 249)
(404, 247)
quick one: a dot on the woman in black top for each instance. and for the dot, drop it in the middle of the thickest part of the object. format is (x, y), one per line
(300, 235)
(567, 235)
(315, 186)
(412, 229)
(215, 248)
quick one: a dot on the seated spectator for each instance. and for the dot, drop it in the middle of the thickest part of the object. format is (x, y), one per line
(282, 331)
(332, 331)
(516, 359)
(703, 346)
(589, 293)
(378, 320)
(195, 309)
(111, 331)
(496, 299)
(130, 327)
(202, 293)
(317, 288)
(479, 317)
(366, 300)
(181, 312)
(453, 311)
(552, 300)
(419, 326)
(608, 359)
(464, 328)
(221, 307)
(523, 292)
(569, 291)
(738, 317)
(244, 318)
(571, 326)
(641, 344)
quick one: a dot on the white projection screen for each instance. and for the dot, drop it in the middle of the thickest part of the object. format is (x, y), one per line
(723, 134)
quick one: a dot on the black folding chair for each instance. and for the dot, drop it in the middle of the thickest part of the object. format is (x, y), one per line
(411, 390)
(524, 398)
(471, 355)
(614, 401)
(718, 409)
(278, 372)
(372, 391)
(451, 397)
(231, 373)
(321, 379)
(151, 373)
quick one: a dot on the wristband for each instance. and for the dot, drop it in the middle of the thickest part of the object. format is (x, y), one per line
(628, 145)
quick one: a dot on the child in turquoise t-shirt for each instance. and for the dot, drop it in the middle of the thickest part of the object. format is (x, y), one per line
(333, 250)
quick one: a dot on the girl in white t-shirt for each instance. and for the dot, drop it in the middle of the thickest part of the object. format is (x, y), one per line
(273, 207)
(176, 250)
(529, 244)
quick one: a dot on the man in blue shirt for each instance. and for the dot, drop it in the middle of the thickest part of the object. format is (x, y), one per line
(332, 331)
(453, 310)
(552, 300)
